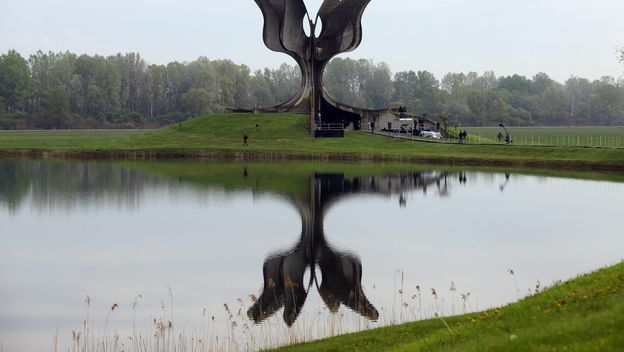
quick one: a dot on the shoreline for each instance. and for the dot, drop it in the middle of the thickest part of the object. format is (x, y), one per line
(256, 155)
(583, 308)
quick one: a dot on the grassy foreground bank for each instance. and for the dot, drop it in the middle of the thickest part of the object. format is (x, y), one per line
(287, 135)
(584, 314)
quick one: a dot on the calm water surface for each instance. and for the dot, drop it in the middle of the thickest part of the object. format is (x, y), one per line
(323, 248)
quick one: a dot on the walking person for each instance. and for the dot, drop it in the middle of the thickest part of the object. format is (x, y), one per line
(245, 138)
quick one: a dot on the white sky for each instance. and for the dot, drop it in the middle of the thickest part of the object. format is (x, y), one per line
(559, 37)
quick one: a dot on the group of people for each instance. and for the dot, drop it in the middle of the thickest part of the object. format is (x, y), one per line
(462, 136)
(402, 111)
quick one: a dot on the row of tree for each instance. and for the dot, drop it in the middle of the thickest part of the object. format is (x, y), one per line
(477, 100)
(64, 90)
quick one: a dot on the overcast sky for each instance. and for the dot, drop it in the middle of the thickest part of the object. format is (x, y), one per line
(559, 37)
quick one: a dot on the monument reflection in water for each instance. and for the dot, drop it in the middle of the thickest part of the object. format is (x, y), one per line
(341, 272)
(118, 229)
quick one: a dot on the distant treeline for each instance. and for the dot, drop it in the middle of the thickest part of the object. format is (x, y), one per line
(65, 90)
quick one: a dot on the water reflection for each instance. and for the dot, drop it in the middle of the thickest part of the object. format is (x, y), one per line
(502, 186)
(336, 274)
(340, 271)
(189, 222)
(69, 184)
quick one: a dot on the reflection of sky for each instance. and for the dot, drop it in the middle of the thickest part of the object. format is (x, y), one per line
(209, 246)
(544, 229)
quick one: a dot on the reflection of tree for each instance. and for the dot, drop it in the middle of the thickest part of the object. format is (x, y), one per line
(341, 272)
(68, 184)
(14, 183)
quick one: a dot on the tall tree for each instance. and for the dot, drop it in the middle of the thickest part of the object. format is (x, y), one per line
(95, 99)
(56, 109)
(477, 104)
(197, 101)
(260, 88)
(226, 91)
(379, 87)
(120, 89)
(609, 100)
(14, 80)
(516, 83)
(428, 91)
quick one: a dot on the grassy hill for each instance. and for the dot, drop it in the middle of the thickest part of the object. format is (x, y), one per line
(584, 314)
(287, 135)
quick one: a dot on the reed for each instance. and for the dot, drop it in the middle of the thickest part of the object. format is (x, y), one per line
(235, 332)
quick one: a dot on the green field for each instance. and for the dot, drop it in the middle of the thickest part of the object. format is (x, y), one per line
(584, 314)
(556, 136)
(287, 135)
(62, 139)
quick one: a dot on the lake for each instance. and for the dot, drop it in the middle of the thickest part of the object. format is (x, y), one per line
(240, 256)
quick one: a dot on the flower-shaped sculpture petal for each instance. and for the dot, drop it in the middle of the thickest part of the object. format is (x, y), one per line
(283, 27)
(284, 284)
(283, 287)
(342, 283)
(342, 27)
(284, 32)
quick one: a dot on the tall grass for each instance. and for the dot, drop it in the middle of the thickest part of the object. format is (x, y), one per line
(231, 329)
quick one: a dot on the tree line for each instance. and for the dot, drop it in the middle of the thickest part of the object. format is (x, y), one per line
(65, 90)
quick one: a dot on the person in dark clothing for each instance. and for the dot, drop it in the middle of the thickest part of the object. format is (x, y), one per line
(245, 138)
(372, 126)
(462, 136)
(257, 128)
(500, 137)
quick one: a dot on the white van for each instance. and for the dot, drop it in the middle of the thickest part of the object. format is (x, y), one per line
(431, 134)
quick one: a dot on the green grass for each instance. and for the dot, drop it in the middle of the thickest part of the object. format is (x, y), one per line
(288, 134)
(584, 314)
(292, 179)
(571, 136)
(62, 139)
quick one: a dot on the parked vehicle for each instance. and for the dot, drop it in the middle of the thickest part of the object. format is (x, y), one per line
(431, 134)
